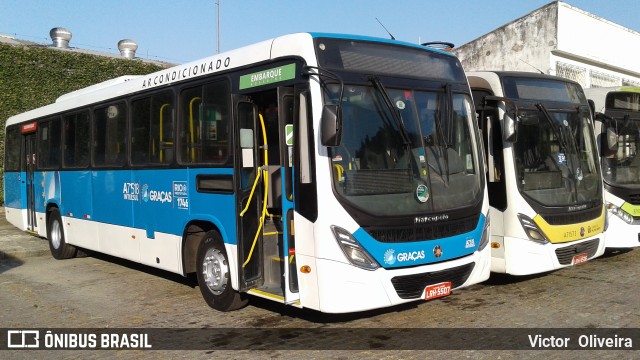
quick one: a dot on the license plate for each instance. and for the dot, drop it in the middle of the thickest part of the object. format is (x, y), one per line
(580, 259)
(437, 290)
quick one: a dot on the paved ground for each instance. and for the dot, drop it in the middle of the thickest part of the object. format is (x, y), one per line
(102, 292)
(19, 245)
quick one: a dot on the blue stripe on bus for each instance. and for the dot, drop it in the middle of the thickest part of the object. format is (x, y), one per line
(392, 255)
(14, 196)
(155, 200)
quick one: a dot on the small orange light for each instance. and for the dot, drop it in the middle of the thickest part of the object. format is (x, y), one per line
(133, 236)
(495, 245)
(305, 269)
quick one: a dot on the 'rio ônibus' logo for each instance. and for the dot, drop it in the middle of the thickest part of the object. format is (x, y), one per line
(389, 257)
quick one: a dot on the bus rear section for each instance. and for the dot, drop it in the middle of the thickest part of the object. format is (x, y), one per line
(544, 180)
(617, 126)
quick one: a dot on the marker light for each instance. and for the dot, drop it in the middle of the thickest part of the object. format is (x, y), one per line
(531, 229)
(353, 250)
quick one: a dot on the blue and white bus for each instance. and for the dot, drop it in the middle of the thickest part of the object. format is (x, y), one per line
(617, 127)
(332, 172)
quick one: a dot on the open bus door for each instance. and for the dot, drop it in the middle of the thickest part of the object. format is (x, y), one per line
(286, 106)
(266, 248)
(29, 152)
(249, 197)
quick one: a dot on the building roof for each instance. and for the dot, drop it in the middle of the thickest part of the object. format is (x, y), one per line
(10, 40)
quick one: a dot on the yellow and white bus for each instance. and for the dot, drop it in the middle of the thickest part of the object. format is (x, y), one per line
(543, 177)
(617, 127)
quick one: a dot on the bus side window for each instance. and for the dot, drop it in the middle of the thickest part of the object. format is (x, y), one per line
(110, 134)
(215, 122)
(204, 124)
(13, 143)
(77, 140)
(152, 130)
(49, 141)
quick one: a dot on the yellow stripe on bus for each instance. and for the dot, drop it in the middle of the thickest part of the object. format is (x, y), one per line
(265, 294)
(571, 232)
(631, 209)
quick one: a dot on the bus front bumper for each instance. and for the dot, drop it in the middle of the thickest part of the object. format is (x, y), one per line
(343, 287)
(525, 257)
(621, 234)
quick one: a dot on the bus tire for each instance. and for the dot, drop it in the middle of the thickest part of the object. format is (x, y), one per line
(214, 279)
(55, 234)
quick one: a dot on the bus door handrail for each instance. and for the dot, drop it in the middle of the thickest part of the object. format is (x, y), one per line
(193, 151)
(161, 144)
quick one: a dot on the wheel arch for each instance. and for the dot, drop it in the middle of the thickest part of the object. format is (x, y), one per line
(51, 206)
(193, 232)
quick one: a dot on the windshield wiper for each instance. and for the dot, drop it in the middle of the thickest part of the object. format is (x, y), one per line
(444, 145)
(573, 170)
(394, 112)
(552, 124)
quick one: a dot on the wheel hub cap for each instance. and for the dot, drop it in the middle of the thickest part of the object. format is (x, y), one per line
(215, 271)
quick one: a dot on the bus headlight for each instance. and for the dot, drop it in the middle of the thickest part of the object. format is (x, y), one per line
(485, 234)
(625, 216)
(352, 249)
(531, 229)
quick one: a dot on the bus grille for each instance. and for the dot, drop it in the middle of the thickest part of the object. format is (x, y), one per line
(421, 232)
(565, 254)
(412, 286)
(573, 217)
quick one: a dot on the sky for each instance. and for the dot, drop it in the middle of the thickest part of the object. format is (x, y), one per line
(180, 31)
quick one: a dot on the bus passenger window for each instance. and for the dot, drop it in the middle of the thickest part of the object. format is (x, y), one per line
(152, 130)
(77, 140)
(110, 133)
(13, 141)
(204, 124)
(49, 139)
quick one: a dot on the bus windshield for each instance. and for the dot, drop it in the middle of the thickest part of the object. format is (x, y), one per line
(620, 139)
(555, 156)
(421, 159)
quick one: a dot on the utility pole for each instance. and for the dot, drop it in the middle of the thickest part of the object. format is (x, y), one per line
(218, 8)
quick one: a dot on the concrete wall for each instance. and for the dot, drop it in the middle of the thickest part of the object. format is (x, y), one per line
(607, 52)
(598, 39)
(524, 44)
(562, 40)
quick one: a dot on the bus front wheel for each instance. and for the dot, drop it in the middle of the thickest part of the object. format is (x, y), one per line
(214, 279)
(55, 233)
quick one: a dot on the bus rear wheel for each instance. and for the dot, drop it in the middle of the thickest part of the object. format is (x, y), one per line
(55, 233)
(214, 279)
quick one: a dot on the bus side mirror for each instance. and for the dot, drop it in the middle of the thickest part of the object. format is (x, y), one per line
(509, 128)
(509, 124)
(592, 106)
(331, 125)
(612, 139)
